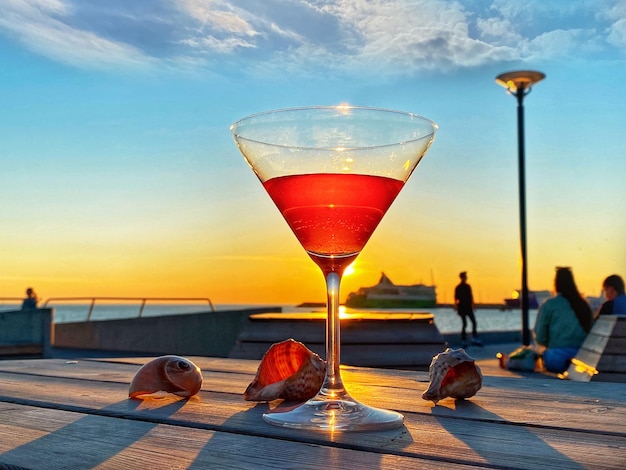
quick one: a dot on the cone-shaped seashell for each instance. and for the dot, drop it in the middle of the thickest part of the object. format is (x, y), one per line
(172, 374)
(288, 370)
(453, 373)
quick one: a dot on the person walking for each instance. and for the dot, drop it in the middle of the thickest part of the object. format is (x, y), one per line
(464, 306)
(562, 323)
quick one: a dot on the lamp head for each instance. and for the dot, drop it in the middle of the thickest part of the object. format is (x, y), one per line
(519, 80)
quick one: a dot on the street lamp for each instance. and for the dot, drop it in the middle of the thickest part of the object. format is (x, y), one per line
(519, 84)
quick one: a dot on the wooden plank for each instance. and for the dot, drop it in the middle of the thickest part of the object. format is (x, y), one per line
(242, 371)
(434, 434)
(620, 327)
(604, 325)
(109, 367)
(616, 345)
(509, 398)
(602, 356)
(123, 369)
(595, 343)
(430, 438)
(562, 413)
(374, 388)
(612, 363)
(55, 439)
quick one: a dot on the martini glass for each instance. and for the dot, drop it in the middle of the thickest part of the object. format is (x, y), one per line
(333, 172)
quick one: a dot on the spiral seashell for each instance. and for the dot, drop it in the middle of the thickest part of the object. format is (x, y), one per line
(172, 374)
(288, 370)
(453, 373)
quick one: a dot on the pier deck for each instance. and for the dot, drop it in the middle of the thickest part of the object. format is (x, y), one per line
(74, 413)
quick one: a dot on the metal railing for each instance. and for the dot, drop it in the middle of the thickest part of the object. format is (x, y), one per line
(13, 300)
(143, 301)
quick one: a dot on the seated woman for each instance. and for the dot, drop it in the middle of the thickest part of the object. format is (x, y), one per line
(562, 323)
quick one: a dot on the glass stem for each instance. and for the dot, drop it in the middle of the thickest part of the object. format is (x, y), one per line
(333, 385)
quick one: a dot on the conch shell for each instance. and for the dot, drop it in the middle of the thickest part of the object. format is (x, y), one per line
(172, 374)
(288, 370)
(453, 373)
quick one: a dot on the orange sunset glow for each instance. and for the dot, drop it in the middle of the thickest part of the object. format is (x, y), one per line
(120, 176)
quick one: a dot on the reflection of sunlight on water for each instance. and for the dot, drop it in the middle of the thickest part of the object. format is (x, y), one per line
(342, 313)
(448, 321)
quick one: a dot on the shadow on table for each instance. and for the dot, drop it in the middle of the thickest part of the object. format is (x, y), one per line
(519, 436)
(265, 445)
(88, 441)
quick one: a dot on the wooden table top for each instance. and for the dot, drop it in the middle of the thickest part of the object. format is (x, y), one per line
(75, 414)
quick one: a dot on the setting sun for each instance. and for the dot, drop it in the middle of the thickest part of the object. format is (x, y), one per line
(350, 270)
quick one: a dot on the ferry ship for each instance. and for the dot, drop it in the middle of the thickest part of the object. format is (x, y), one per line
(386, 294)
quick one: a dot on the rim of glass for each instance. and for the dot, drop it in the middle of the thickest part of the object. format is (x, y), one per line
(433, 124)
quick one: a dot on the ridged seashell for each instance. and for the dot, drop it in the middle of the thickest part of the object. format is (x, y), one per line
(288, 370)
(172, 374)
(453, 373)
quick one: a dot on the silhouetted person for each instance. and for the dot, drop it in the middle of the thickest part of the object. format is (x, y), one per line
(464, 306)
(31, 300)
(613, 287)
(562, 323)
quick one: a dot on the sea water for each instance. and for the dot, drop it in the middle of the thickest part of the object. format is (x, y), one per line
(446, 319)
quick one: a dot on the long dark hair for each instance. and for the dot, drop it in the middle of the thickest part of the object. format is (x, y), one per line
(565, 285)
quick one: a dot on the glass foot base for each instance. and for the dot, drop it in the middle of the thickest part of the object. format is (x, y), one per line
(336, 415)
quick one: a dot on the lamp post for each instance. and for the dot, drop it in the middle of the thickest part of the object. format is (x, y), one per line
(519, 84)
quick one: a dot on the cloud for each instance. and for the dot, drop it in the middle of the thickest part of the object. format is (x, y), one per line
(617, 29)
(43, 26)
(559, 43)
(346, 36)
(219, 16)
(499, 29)
(540, 30)
(617, 34)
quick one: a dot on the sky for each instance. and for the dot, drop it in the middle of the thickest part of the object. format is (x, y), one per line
(119, 176)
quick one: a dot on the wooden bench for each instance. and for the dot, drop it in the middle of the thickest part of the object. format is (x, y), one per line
(27, 332)
(373, 339)
(602, 357)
